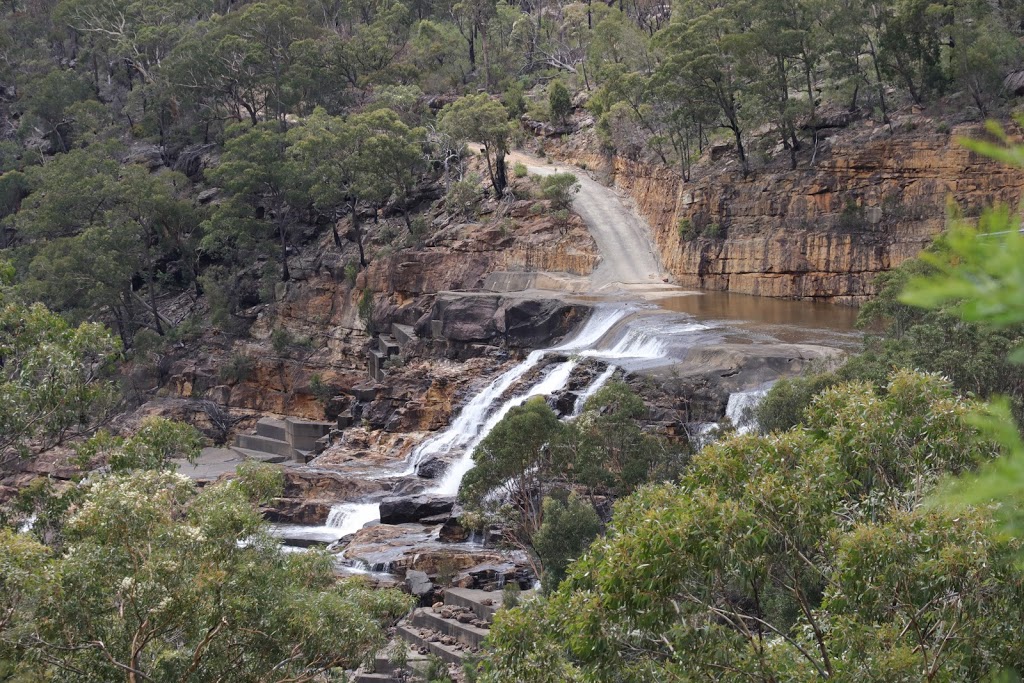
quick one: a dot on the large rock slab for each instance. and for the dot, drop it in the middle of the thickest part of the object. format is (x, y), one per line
(403, 510)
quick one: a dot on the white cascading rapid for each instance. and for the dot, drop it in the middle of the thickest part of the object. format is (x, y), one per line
(603, 336)
(741, 406)
(464, 431)
(594, 387)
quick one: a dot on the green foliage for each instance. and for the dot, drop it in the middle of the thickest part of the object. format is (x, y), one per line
(559, 102)
(151, 447)
(478, 118)
(365, 309)
(238, 368)
(54, 380)
(531, 455)
(569, 527)
(510, 595)
(801, 539)
(437, 670)
(463, 196)
(559, 189)
(321, 390)
(784, 405)
(181, 583)
(977, 278)
(520, 170)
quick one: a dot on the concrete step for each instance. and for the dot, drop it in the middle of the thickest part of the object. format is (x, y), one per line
(450, 654)
(414, 661)
(262, 456)
(474, 600)
(375, 678)
(303, 434)
(465, 633)
(272, 428)
(403, 334)
(255, 442)
(387, 344)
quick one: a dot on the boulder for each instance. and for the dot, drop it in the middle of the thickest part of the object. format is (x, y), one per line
(402, 510)
(535, 322)
(418, 584)
(469, 319)
(432, 468)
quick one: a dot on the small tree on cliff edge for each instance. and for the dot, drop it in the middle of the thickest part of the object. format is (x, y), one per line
(480, 119)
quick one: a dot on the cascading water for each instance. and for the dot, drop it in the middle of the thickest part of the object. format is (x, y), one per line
(612, 333)
(594, 387)
(741, 405)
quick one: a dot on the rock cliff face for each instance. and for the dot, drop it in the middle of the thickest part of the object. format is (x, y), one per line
(872, 201)
(315, 328)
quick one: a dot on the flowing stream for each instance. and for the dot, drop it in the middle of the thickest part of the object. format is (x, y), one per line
(630, 336)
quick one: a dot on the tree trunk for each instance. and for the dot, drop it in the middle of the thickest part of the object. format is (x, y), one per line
(357, 232)
(500, 174)
(283, 233)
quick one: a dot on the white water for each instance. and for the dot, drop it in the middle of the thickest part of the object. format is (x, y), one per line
(642, 342)
(741, 406)
(348, 518)
(594, 387)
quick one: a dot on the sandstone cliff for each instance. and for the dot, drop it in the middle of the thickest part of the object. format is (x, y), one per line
(871, 201)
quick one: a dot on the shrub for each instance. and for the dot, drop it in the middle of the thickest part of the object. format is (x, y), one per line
(510, 595)
(783, 407)
(238, 369)
(569, 527)
(519, 170)
(559, 102)
(463, 196)
(322, 391)
(366, 306)
(559, 189)
(281, 339)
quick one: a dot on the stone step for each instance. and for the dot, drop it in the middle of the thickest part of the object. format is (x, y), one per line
(303, 434)
(474, 599)
(255, 442)
(272, 428)
(262, 456)
(449, 654)
(387, 344)
(375, 678)
(403, 334)
(466, 634)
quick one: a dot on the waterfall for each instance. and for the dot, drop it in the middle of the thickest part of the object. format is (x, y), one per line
(606, 335)
(594, 387)
(348, 518)
(474, 417)
(740, 409)
(552, 382)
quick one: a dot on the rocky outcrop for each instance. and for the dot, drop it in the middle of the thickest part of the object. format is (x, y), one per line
(495, 319)
(402, 510)
(871, 201)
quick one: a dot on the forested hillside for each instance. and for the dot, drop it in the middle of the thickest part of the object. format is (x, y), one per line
(220, 209)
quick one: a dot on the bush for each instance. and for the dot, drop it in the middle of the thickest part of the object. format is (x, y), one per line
(366, 306)
(568, 529)
(783, 407)
(519, 170)
(238, 369)
(510, 595)
(322, 391)
(559, 189)
(559, 102)
(463, 196)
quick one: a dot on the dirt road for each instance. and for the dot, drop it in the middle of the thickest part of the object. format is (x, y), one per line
(627, 253)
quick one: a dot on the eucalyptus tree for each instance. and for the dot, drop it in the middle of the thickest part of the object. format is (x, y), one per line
(159, 580)
(801, 556)
(478, 118)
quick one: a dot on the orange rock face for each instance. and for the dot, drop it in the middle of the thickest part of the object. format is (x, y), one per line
(870, 203)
